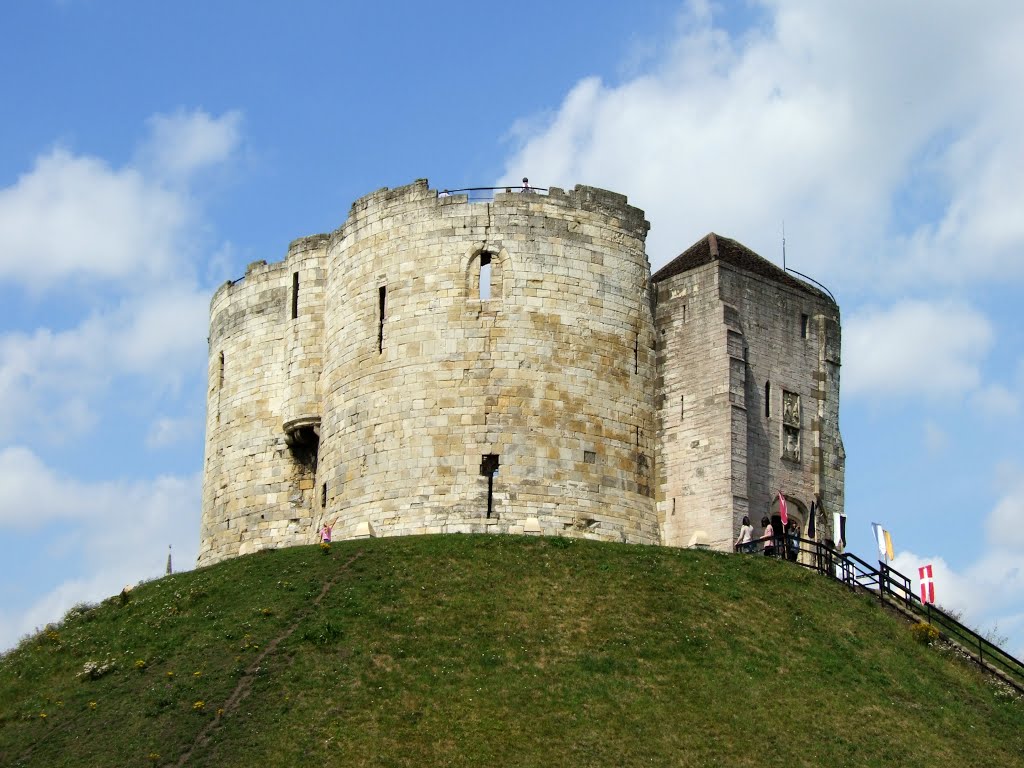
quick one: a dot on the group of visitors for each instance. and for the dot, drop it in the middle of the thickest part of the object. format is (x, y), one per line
(784, 543)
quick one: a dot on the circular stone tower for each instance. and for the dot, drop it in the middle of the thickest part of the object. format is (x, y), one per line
(475, 367)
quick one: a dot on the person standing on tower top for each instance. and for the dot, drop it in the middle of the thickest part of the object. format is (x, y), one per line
(526, 184)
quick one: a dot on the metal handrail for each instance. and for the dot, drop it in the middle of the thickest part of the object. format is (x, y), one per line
(484, 194)
(849, 569)
(808, 277)
(987, 651)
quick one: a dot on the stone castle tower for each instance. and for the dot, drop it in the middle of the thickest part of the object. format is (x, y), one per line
(441, 365)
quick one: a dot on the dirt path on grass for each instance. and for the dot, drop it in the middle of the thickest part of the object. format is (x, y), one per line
(245, 683)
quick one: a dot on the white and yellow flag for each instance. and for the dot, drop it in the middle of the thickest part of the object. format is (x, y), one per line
(884, 541)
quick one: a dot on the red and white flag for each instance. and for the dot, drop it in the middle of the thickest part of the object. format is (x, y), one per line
(782, 509)
(927, 584)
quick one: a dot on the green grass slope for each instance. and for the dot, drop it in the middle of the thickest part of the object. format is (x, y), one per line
(496, 651)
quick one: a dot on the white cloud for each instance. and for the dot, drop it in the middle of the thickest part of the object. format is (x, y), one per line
(167, 431)
(73, 217)
(1005, 525)
(915, 347)
(27, 483)
(886, 139)
(988, 593)
(186, 142)
(996, 401)
(159, 336)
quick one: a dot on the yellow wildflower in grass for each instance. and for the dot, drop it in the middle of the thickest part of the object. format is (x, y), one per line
(42, 715)
(140, 664)
(199, 705)
(92, 705)
(197, 673)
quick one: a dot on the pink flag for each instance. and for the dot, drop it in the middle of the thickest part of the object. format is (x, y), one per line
(927, 585)
(782, 509)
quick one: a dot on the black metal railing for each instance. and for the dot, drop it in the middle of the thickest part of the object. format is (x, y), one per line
(811, 279)
(486, 194)
(893, 587)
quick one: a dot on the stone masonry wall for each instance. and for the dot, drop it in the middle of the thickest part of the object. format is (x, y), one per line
(784, 335)
(262, 372)
(552, 374)
(724, 334)
(370, 381)
(694, 470)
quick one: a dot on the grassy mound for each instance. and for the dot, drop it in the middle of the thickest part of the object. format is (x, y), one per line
(500, 651)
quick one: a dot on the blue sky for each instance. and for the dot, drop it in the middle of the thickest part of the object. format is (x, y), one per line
(150, 151)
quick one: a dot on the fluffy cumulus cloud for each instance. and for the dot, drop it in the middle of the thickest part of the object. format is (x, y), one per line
(186, 142)
(885, 138)
(73, 217)
(934, 348)
(128, 233)
(158, 337)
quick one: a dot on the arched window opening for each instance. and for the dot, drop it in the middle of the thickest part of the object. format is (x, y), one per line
(485, 276)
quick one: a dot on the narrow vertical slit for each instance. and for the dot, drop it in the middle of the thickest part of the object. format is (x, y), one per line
(636, 353)
(295, 295)
(489, 468)
(220, 374)
(803, 326)
(768, 399)
(323, 496)
(682, 407)
(383, 294)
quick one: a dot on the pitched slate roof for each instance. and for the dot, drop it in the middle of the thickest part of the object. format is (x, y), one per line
(714, 247)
